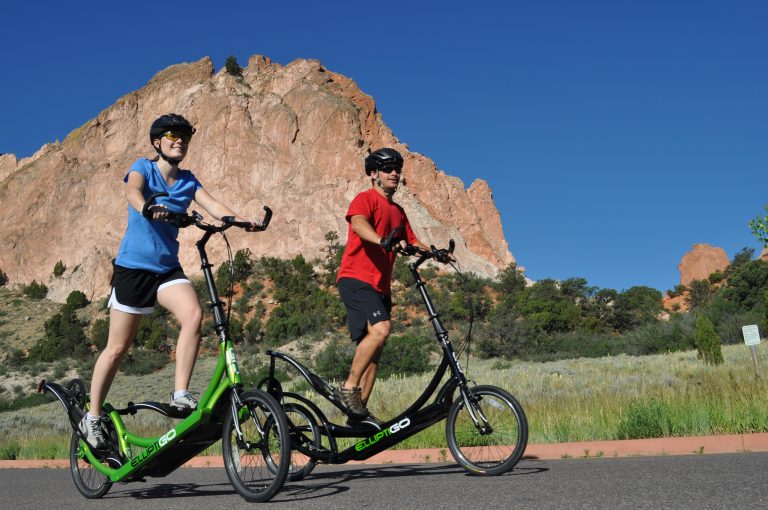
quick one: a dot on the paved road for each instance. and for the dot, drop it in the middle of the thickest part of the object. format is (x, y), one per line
(732, 481)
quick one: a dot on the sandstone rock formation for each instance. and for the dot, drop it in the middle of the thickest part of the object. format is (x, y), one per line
(697, 264)
(292, 137)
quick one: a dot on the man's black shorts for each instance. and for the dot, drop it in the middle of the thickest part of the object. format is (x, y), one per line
(364, 305)
(135, 290)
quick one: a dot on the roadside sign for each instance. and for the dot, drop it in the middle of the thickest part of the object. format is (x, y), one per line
(751, 334)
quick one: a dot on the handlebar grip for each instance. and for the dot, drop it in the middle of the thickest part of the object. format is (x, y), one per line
(230, 220)
(149, 203)
(388, 241)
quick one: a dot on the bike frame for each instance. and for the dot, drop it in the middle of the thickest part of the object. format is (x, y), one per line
(416, 418)
(200, 429)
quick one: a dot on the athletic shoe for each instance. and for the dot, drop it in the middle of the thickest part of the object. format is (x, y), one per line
(351, 400)
(90, 428)
(186, 402)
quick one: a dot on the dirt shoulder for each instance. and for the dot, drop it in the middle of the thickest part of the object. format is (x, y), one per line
(699, 445)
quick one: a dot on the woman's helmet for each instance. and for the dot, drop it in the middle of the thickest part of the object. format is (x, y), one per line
(383, 158)
(170, 122)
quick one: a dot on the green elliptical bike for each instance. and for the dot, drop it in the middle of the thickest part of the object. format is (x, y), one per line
(251, 423)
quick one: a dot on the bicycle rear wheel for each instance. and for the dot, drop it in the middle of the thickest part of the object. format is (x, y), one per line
(91, 483)
(257, 463)
(304, 431)
(494, 441)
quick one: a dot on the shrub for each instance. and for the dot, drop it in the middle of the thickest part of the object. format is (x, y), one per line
(63, 337)
(77, 300)
(35, 290)
(645, 420)
(334, 360)
(707, 341)
(59, 269)
(100, 333)
(3, 278)
(143, 362)
(404, 355)
(10, 450)
(151, 333)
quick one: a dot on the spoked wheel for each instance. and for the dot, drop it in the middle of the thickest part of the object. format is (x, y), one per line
(77, 389)
(494, 441)
(257, 463)
(91, 483)
(305, 432)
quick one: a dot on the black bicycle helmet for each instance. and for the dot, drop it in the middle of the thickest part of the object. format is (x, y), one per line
(383, 158)
(170, 122)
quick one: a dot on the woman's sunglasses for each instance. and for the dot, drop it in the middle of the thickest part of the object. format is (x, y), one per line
(175, 135)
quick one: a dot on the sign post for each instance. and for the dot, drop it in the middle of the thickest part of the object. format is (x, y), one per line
(752, 339)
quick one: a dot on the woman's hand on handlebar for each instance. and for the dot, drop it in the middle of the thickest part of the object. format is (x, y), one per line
(158, 212)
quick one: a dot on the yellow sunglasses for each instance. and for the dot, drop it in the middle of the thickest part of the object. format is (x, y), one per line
(175, 135)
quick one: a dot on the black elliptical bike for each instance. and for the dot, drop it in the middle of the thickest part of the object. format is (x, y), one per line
(486, 427)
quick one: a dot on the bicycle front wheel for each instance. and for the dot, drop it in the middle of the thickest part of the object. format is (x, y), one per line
(91, 483)
(489, 437)
(257, 462)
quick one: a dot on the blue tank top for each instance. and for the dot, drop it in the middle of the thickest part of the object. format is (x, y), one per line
(153, 245)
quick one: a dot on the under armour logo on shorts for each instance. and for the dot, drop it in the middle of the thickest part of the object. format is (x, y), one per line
(377, 313)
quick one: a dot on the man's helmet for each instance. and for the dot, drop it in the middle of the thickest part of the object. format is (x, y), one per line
(170, 122)
(385, 158)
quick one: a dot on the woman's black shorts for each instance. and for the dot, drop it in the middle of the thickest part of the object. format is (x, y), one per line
(135, 290)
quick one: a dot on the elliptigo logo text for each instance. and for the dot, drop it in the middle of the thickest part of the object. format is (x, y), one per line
(153, 448)
(394, 429)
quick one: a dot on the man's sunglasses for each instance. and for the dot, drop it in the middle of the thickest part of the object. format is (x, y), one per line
(175, 135)
(390, 169)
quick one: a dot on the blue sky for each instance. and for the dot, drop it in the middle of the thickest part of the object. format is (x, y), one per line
(614, 134)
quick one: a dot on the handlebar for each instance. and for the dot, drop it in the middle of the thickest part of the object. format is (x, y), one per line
(391, 241)
(182, 220)
(442, 255)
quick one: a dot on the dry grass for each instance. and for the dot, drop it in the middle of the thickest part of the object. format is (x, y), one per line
(571, 400)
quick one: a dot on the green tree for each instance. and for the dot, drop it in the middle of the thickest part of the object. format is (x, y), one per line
(242, 265)
(59, 269)
(233, 67)
(636, 306)
(759, 227)
(707, 341)
(511, 280)
(699, 293)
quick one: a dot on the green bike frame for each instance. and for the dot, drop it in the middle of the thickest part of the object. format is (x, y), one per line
(195, 432)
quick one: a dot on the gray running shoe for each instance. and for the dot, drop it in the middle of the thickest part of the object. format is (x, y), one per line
(185, 402)
(351, 400)
(90, 428)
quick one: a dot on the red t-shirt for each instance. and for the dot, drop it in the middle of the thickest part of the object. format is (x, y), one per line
(368, 262)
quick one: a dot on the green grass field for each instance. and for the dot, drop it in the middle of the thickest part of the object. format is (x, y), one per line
(619, 397)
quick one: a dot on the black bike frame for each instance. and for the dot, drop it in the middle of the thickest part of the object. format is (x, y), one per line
(411, 421)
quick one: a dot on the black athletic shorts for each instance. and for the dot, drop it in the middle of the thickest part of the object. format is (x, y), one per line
(364, 305)
(135, 290)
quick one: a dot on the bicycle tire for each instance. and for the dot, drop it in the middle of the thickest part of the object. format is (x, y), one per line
(493, 451)
(305, 431)
(263, 424)
(89, 482)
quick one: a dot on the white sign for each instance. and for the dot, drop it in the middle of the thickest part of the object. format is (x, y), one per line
(751, 334)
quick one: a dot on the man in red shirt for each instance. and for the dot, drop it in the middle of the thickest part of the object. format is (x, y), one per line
(365, 275)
